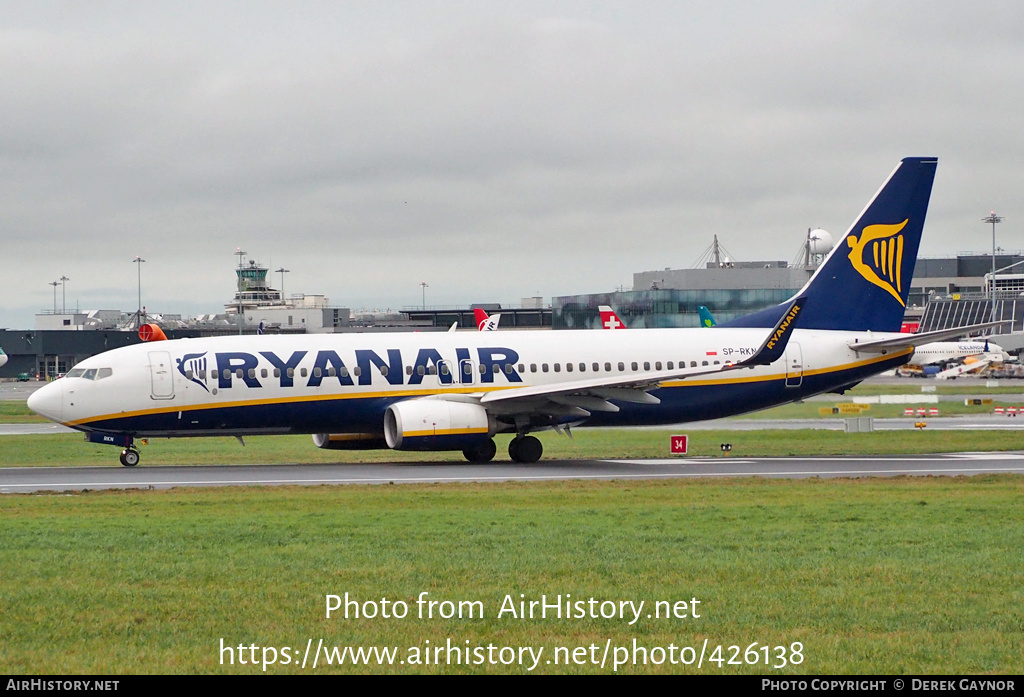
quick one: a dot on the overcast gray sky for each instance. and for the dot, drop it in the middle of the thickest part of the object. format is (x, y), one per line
(495, 150)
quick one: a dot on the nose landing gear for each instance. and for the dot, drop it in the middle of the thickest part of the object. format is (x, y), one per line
(130, 456)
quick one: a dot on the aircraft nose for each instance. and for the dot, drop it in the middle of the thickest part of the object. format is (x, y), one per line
(48, 400)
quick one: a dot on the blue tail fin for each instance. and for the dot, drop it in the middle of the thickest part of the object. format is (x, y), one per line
(864, 283)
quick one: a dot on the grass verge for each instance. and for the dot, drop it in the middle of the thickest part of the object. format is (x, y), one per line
(71, 450)
(879, 576)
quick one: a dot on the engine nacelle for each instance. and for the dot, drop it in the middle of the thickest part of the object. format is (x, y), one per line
(349, 441)
(437, 424)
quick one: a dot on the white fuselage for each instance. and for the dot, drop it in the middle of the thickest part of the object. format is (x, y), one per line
(943, 352)
(343, 382)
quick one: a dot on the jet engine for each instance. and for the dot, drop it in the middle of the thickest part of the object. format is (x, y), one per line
(349, 441)
(437, 424)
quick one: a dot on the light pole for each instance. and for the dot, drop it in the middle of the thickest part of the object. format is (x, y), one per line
(64, 294)
(993, 219)
(282, 271)
(423, 286)
(139, 260)
(54, 284)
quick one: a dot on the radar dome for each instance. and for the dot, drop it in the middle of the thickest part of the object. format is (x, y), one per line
(820, 241)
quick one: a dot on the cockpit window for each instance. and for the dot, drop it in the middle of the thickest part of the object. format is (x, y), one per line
(90, 373)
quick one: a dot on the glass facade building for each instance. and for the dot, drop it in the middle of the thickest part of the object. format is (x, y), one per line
(663, 308)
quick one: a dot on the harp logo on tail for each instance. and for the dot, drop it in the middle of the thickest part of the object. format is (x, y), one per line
(883, 247)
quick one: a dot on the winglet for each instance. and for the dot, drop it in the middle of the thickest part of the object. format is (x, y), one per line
(775, 345)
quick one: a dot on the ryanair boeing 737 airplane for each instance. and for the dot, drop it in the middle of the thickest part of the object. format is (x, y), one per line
(455, 391)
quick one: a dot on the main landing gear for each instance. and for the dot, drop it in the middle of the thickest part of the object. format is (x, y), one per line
(520, 449)
(525, 449)
(481, 453)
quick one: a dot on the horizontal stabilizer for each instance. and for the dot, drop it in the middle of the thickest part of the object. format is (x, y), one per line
(908, 340)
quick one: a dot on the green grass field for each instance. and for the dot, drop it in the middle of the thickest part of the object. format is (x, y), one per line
(71, 449)
(866, 576)
(893, 576)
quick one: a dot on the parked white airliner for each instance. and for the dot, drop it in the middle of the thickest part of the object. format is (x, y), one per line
(943, 352)
(454, 391)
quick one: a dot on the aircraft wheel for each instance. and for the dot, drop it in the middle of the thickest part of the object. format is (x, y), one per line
(481, 453)
(525, 449)
(129, 457)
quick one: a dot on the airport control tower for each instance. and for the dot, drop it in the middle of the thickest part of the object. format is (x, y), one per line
(253, 292)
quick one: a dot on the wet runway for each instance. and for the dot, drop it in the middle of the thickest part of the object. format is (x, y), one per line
(30, 479)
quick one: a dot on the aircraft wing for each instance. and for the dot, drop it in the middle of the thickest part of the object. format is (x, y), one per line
(908, 340)
(633, 387)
